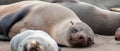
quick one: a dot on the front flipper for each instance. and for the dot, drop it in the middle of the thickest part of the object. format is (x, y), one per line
(4, 38)
(115, 9)
(9, 20)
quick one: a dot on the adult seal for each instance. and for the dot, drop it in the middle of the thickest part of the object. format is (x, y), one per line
(104, 4)
(101, 21)
(63, 26)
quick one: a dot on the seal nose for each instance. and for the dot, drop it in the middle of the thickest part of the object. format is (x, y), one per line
(81, 37)
(77, 40)
(116, 38)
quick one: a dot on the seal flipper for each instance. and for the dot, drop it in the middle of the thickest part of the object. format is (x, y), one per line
(4, 38)
(9, 20)
(115, 9)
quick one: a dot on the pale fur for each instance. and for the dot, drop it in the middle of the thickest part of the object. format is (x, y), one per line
(52, 18)
(46, 42)
(38, 19)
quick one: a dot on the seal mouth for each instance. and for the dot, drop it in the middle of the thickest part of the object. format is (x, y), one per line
(80, 42)
(117, 39)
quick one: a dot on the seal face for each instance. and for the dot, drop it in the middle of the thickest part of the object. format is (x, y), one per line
(79, 37)
(33, 40)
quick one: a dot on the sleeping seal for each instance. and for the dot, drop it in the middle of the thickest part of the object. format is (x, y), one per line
(104, 4)
(62, 25)
(33, 40)
(101, 21)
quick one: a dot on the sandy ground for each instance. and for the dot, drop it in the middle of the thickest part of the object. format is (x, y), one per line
(102, 43)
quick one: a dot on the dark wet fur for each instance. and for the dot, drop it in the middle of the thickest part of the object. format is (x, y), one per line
(9, 20)
(61, 45)
(4, 38)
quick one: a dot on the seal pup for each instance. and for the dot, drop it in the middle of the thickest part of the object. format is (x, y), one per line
(33, 40)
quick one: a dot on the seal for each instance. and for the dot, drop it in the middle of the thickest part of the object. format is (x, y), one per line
(64, 27)
(117, 34)
(33, 40)
(95, 16)
(104, 4)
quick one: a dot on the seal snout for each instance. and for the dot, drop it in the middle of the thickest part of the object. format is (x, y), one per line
(80, 40)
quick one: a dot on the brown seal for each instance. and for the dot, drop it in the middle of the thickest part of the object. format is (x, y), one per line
(104, 4)
(101, 21)
(64, 26)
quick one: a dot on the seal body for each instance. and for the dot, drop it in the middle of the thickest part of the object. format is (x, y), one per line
(33, 40)
(101, 21)
(62, 26)
(104, 4)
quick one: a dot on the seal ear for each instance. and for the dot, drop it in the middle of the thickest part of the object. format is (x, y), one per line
(72, 22)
